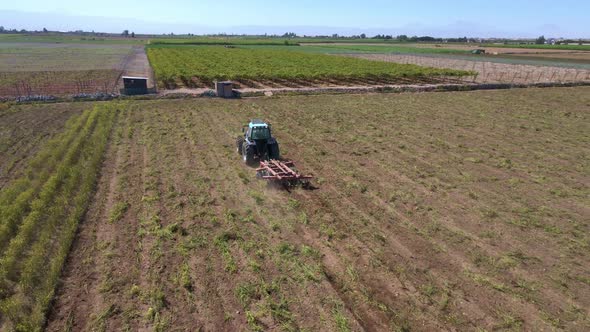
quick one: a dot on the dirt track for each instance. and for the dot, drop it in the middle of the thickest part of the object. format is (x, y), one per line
(450, 211)
(137, 64)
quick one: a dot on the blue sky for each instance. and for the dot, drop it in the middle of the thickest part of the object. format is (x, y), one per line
(443, 18)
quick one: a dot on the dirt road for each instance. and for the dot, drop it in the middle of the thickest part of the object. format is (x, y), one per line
(137, 64)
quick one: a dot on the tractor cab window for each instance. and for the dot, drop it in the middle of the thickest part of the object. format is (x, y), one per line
(259, 133)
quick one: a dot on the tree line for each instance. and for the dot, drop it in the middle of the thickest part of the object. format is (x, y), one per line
(292, 35)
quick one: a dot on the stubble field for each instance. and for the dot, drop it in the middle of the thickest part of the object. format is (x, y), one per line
(491, 71)
(452, 211)
(61, 69)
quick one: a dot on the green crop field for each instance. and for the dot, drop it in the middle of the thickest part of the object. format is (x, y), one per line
(222, 41)
(365, 48)
(250, 40)
(400, 48)
(208, 63)
(40, 213)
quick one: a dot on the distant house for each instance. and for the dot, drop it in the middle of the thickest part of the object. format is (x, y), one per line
(551, 41)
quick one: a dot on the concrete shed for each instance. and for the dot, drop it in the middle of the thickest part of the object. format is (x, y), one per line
(135, 85)
(224, 89)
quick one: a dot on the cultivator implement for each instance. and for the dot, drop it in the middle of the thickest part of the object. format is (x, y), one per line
(282, 172)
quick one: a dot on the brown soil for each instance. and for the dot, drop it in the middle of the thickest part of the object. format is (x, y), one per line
(440, 211)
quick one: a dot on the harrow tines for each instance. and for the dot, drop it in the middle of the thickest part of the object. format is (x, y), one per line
(283, 172)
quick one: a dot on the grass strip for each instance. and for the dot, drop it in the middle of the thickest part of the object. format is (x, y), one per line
(31, 265)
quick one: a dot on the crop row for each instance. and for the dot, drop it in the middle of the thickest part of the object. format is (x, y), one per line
(209, 63)
(40, 213)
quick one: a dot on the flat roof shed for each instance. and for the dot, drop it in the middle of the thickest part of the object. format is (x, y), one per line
(135, 85)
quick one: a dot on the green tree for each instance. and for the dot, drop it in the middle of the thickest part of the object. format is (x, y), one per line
(125, 33)
(132, 34)
(540, 40)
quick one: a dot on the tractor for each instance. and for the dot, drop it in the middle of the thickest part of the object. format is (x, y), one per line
(257, 143)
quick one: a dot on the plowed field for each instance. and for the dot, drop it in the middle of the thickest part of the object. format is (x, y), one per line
(438, 211)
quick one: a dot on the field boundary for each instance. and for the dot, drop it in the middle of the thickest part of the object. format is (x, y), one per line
(405, 88)
(250, 93)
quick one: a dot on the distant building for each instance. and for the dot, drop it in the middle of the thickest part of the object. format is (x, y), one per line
(135, 85)
(224, 89)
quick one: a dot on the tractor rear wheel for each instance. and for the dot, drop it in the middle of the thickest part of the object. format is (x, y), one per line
(239, 143)
(248, 155)
(273, 151)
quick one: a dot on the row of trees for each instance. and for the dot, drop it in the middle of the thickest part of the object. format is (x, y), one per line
(405, 38)
(76, 32)
(126, 34)
(7, 30)
(402, 38)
